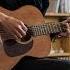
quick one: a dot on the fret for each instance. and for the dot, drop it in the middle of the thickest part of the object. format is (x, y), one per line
(59, 27)
(51, 28)
(42, 29)
(48, 28)
(33, 29)
(54, 30)
(38, 29)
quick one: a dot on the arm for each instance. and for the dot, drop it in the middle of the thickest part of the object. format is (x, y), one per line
(66, 27)
(15, 26)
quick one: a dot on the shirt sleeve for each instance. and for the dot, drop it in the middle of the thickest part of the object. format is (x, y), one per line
(14, 4)
(45, 6)
(8, 4)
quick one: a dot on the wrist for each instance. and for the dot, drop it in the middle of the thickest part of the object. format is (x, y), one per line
(3, 17)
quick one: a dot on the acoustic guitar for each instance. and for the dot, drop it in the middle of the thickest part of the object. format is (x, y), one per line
(36, 43)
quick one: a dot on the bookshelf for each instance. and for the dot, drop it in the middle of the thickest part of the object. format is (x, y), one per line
(52, 15)
(57, 14)
(59, 55)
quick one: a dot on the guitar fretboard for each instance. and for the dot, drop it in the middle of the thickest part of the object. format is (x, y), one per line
(45, 29)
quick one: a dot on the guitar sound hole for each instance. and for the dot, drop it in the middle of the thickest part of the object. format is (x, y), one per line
(27, 37)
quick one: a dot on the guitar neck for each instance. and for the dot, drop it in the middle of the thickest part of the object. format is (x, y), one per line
(36, 30)
(46, 28)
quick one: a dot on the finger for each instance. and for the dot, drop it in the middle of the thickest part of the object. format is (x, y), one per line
(23, 26)
(65, 21)
(14, 31)
(20, 23)
(20, 30)
(68, 31)
(62, 35)
(68, 20)
(16, 34)
(68, 28)
(68, 25)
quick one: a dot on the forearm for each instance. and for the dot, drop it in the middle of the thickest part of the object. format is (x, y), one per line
(3, 17)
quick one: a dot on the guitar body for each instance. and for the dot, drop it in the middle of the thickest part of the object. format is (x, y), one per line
(41, 44)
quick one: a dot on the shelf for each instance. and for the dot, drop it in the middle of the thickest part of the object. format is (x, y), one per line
(57, 14)
(59, 55)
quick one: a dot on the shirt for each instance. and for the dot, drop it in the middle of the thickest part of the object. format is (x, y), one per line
(42, 5)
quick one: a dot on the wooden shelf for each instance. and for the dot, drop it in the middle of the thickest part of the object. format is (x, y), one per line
(59, 55)
(57, 14)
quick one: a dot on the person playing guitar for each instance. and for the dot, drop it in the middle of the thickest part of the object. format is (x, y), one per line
(17, 27)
